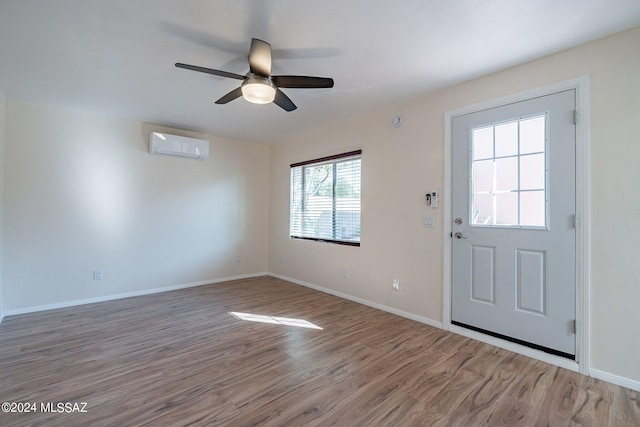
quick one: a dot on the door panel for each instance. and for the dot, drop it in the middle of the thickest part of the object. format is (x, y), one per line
(531, 281)
(513, 249)
(482, 274)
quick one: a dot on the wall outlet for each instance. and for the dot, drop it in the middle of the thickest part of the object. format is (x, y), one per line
(282, 260)
(345, 273)
(238, 258)
(97, 274)
(395, 284)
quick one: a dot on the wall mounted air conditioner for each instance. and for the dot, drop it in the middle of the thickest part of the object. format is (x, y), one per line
(174, 145)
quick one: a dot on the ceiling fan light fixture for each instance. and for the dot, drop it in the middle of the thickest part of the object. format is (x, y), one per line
(258, 90)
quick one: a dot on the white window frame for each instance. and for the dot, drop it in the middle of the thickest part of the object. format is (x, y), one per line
(297, 199)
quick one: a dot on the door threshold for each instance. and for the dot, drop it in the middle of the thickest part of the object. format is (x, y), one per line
(542, 356)
(517, 341)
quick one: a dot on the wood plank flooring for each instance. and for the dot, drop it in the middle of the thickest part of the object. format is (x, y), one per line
(179, 358)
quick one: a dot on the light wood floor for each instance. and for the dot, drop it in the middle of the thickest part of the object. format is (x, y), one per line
(180, 358)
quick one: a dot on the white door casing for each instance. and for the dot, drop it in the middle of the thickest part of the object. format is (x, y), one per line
(511, 278)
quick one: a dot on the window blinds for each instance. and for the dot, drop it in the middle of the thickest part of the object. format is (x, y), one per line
(325, 199)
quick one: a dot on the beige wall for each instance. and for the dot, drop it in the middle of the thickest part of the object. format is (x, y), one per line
(83, 193)
(397, 171)
(401, 165)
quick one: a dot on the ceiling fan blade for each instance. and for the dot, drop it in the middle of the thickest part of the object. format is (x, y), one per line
(210, 71)
(283, 101)
(260, 57)
(236, 93)
(302, 82)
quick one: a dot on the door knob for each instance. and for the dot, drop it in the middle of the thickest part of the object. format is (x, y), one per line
(459, 235)
(458, 221)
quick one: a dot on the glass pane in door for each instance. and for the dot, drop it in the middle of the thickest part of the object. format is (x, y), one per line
(509, 174)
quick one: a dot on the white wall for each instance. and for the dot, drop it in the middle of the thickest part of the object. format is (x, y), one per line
(2, 149)
(401, 165)
(83, 193)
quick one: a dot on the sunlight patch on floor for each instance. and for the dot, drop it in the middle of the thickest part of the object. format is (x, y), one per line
(263, 318)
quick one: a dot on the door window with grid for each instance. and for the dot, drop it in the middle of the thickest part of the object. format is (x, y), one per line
(509, 174)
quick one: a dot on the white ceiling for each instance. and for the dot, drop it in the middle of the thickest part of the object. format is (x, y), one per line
(116, 57)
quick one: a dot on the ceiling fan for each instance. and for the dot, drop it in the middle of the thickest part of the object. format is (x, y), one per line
(258, 85)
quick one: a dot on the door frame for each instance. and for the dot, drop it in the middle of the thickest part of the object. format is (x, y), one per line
(583, 221)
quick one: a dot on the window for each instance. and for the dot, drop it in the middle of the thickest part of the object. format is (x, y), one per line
(508, 178)
(325, 199)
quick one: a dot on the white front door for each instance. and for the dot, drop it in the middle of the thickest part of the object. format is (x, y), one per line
(513, 207)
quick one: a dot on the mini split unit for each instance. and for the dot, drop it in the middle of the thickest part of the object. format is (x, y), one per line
(181, 146)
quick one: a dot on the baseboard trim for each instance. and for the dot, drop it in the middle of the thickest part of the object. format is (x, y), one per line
(362, 301)
(112, 297)
(615, 379)
(517, 348)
